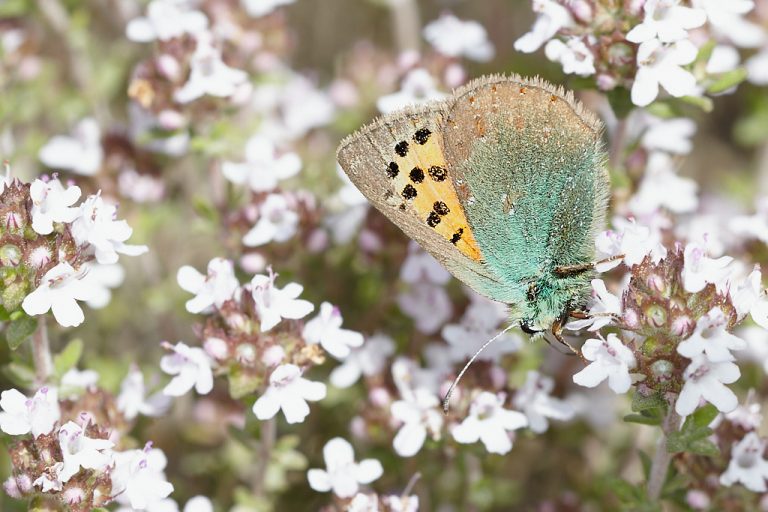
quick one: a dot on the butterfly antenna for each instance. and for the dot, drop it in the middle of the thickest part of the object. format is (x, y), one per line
(466, 367)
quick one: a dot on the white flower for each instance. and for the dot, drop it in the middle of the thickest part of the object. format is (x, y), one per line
(666, 20)
(711, 339)
(138, 477)
(191, 367)
(101, 278)
(534, 400)
(165, 20)
(272, 303)
(663, 188)
(456, 38)
(198, 504)
(133, 401)
(342, 474)
(81, 153)
(419, 266)
(326, 330)
(420, 416)
(603, 308)
(480, 323)
(705, 379)
(670, 135)
(74, 382)
(660, 64)
(49, 480)
(277, 222)
(59, 290)
(428, 305)
(552, 16)
(417, 87)
(611, 360)
(724, 58)
(367, 360)
(263, 168)
(728, 22)
(747, 464)
(489, 422)
(211, 290)
(752, 226)
(96, 225)
(51, 202)
(750, 298)
(632, 240)
(288, 391)
(80, 451)
(757, 68)
(21, 415)
(209, 75)
(699, 269)
(258, 8)
(401, 503)
(575, 56)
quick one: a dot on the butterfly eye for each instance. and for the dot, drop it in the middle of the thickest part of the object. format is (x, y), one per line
(527, 327)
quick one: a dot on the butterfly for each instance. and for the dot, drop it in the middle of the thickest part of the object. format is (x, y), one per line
(505, 183)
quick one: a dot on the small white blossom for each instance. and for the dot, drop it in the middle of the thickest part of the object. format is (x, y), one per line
(611, 360)
(80, 451)
(294, 108)
(288, 391)
(480, 323)
(96, 226)
(670, 135)
(534, 400)
(81, 153)
(418, 411)
(59, 290)
(747, 464)
(273, 303)
(728, 21)
(666, 20)
(51, 202)
(456, 38)
(750, 299)
(191, 368)
(419, 266)
(198, 504)
(140, 187)
(138, 478)
(342, 474)
(49, 480)
(428, 305)
(757, 68)
(263, 167)
(632, 240)
(711, 339)
(211, 290)
(133, 401)
(699, 269)
(367, 360)
(277, 222)
(552, 16)
(417, 87)
(489, 421)
(603, 308)
(210, 75)
(21, 415)
(326, 330)
(663, 188)
(102, 278)
(74, 382)
(575, 56)
(259, 8)
(661, 64)
(724, 58)
(165, 20)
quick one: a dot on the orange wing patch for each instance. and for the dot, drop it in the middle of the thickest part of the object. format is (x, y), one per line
(420, 179)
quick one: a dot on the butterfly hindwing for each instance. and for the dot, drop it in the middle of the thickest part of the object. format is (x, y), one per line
(398, 163)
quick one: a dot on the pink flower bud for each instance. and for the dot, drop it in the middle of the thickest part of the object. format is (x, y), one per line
(217, 348)
(358, 428)
(455, 75)
(169, 67)
(10, 255)
(273, 356)
(73, 495)
(253, 263)
(379, 397)
(655, 282)
(630, 319)
(246, 353)
(581, 10)
(697, 499)
(683, 325)
(12, 488)
(171, 119)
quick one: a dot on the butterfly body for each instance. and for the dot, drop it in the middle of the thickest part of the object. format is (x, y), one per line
(504, 183)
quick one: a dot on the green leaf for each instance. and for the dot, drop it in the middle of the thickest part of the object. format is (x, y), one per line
(19, 330)
(19, 374)
(644, 403)
(68, 358)
(645, 459)
(703, 416)
(704, 103)
(642, 419)
(725, 81)
(704, 447)
(705, 52)
(688, 439)
(621, 101)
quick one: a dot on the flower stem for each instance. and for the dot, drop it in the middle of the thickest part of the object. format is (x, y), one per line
(268, 437)
(662, 457)
(406, 24)
(41, 352)
(616, 148)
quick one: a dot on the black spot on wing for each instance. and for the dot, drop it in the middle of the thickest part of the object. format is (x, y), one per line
(409, 192)
(441, 208)
(401, 148)
(457, 236)
(433, 219)
(422, 136)
(417, 175)
(438, 173)
(393, 169)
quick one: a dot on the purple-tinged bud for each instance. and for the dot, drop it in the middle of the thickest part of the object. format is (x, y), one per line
(498, 377)
(581, 10)
(635, 7)
(655, 282)
(24, 483)
(171, 119)
(273, 356)
(246, 353)
(12, 488)
(683, 326)
(10, 255)
(662, 370)
(698, 499)
(655, 316)
(40, 256)
(169, 67)
(358, 427)
(217, 348)
(13, 221)
(606, 82)
(631, 319)
(379, 397)
(74, 495)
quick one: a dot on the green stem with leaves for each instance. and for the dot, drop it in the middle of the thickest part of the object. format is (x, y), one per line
(662, 458)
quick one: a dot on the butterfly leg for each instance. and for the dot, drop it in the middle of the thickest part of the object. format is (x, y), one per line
(569, 270)
(557, 332)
